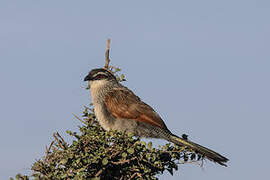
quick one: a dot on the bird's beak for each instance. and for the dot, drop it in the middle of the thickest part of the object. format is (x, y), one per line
(87, 78)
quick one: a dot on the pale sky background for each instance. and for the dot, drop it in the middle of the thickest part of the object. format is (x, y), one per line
(203, 65)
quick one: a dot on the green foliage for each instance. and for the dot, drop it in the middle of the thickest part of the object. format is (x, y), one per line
(97, 154)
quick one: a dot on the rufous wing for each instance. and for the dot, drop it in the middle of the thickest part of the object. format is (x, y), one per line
(124, 104)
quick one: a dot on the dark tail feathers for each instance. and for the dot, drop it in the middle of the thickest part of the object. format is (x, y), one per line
(208, 153)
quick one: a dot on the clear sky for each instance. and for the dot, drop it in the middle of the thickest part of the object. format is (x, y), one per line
(203, 65)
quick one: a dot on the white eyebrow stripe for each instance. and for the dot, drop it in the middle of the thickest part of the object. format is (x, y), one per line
(100, 73)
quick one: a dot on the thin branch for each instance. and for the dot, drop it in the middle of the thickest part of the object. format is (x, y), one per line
(88, 108)
(60, 141)
(107, 54)
(133, 176)
(99, 172)
(124, 161)
(79, 118)
(63, 141)
(48, 150)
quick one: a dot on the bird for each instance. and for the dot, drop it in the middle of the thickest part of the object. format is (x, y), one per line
(117, 108)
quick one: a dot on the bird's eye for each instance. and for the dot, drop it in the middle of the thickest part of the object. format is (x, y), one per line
(100, 76)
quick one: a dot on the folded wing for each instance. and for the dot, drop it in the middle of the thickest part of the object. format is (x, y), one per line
(123, 103)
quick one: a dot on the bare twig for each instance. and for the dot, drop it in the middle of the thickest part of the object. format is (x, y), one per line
(99, 172)
(124, 161)
(133, 176)
(49, 149)
(107, 54)
(88, 108)
(63, 141)
(60, 141)
(79, 118)
(115, 154)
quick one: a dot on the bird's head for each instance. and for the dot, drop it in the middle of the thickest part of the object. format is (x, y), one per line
(99, 75)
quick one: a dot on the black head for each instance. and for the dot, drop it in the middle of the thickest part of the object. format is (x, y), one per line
(99, 74)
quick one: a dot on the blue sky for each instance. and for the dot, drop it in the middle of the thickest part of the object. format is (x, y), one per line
(203, 65)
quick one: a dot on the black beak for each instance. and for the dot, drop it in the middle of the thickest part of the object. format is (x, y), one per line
(87, 78)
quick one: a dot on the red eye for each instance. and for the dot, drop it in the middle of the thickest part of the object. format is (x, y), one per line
(100, 76)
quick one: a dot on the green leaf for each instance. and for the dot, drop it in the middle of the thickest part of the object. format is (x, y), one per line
(18, 176)
(117, 69)
(105, 161)
(124, 155)
(148, 156)
(130, 134)
(63, 161)
(130, 150)
(150, 145)
(143, 143)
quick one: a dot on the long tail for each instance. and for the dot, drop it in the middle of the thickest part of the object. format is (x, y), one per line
(208, 153)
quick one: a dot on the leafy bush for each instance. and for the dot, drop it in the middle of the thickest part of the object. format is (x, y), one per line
(97, 154)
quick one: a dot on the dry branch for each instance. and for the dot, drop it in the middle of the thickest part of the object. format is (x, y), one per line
(107, 54)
